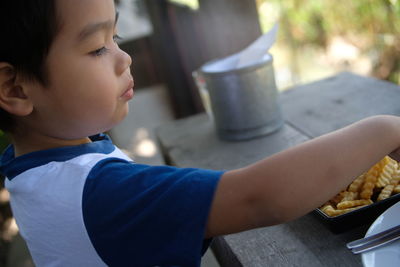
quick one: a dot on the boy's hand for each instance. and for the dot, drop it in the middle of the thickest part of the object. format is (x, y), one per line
(293, 182)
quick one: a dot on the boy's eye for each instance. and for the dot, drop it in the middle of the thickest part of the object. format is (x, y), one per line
(99, 52)
(103, 50)
(116, 38)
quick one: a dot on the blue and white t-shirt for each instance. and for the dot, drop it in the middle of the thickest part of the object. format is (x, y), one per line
(90, 205)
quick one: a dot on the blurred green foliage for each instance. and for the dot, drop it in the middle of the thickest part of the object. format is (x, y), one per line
(373, 26)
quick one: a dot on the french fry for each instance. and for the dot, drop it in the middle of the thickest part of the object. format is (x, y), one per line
(368, 187)
(386, 192)
(355, 186)
(396, 190)
(330, 211)
(353, 203)
(386, 175)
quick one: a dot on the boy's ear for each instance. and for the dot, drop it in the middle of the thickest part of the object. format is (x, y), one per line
(12, 95)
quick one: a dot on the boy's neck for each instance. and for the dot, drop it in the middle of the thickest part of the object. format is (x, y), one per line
(24, 144)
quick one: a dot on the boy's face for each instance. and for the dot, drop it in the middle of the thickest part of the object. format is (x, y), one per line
(89, 76)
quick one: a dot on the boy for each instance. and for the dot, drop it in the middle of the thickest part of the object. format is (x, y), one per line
(79, 201)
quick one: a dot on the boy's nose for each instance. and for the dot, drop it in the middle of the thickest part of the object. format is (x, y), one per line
(124, 61)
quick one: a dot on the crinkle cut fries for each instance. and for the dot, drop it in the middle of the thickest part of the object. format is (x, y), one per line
(378, 183)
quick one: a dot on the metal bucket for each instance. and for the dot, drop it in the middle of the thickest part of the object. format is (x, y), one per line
(244, 101)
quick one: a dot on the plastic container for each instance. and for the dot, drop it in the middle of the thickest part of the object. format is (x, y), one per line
(362, 216)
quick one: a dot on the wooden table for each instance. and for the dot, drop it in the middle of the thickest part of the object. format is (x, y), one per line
(309, 110)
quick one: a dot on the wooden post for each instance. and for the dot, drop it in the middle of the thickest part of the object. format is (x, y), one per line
(185, 39)
(170, 59)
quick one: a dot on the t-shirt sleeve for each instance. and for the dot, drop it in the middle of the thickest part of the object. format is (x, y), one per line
(139, 215)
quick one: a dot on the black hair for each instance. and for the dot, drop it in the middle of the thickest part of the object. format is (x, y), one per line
(27, 30)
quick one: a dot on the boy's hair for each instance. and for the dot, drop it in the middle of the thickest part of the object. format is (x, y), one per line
(27, 30)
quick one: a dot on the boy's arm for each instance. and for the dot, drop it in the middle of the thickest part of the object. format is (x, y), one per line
(295, 181)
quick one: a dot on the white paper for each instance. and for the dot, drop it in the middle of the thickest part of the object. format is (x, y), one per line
(255, 53)
(221, 65)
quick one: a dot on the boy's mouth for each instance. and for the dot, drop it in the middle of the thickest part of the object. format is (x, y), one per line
(128, 93)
